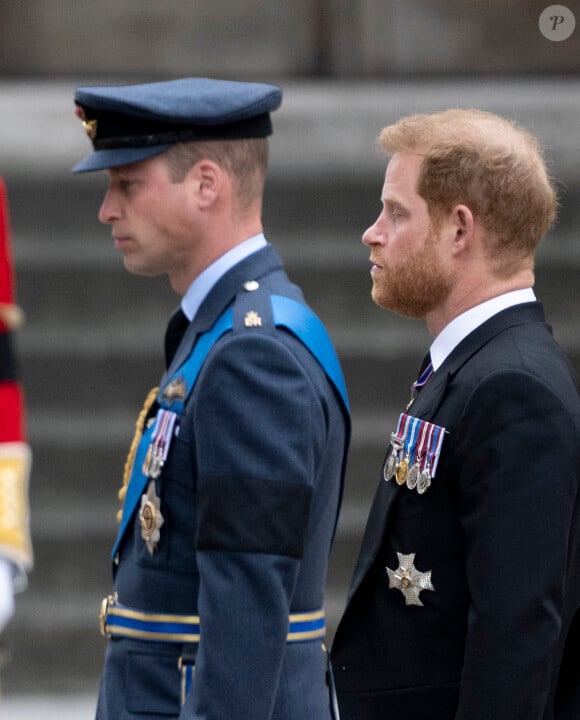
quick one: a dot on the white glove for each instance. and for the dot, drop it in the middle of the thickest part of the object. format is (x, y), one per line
(6, 593)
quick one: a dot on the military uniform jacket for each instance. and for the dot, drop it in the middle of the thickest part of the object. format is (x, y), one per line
(499, 636)
(249, 494)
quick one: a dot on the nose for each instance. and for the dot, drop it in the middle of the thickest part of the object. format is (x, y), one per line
(374, 235)
(110, 209)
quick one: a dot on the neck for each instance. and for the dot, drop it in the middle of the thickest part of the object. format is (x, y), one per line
(219, 237)
(467, 295)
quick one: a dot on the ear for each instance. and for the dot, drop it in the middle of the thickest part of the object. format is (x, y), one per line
(207, 179)
(463, 224)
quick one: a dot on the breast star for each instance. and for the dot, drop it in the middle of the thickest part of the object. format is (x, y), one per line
(410, 581)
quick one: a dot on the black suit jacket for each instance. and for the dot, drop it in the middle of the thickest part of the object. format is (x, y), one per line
(499, 637)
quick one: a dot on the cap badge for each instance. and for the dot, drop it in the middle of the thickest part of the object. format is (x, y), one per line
(90, 126)
(410, 581)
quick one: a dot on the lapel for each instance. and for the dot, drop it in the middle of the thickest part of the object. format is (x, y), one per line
(425, 406)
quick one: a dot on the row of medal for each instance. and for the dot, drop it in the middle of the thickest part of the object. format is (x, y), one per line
(161, 437)
(414, 453)
(150, 517)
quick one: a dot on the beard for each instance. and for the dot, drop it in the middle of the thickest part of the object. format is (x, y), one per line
(415, 286)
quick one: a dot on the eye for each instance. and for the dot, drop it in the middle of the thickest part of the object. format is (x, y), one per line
(127, 185)
(395, 214)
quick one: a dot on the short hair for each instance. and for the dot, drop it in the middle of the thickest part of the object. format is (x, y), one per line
(246, 161)
(489, 164)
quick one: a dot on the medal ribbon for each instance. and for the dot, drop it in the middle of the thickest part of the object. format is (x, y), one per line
(421, 444)
(162, 435)
(425, 460)
(399, 435)
(423, 379)
(410, 446)
(438, 442)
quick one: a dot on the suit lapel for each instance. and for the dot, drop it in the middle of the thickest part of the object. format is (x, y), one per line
(374, 531)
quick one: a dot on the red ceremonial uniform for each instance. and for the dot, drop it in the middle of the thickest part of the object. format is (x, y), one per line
(15, 543)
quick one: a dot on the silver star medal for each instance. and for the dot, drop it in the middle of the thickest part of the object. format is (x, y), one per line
(150, 518)
(409, 580)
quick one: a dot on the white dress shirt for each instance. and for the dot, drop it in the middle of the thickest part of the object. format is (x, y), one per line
(460, 327)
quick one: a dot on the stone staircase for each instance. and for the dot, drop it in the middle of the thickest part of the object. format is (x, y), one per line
(91, 347)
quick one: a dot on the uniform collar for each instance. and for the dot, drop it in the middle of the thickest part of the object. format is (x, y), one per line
(203, 283)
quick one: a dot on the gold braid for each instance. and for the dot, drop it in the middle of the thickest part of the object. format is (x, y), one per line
(139, 427)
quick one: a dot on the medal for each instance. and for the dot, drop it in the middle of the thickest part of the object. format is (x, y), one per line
(150, 518)
(423, 482)
(401, 471)
(410, 581)
(435, 442)
(414, 453)
(403, 467)
(415, 471)
(396, 444)
(160, 443)
(412, 476)
(391, 462)
(176, 390)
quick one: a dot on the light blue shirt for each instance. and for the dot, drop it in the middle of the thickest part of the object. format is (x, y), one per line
(204, 282)
(460, 327)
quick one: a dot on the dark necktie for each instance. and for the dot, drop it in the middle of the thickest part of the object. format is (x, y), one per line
(174, 333)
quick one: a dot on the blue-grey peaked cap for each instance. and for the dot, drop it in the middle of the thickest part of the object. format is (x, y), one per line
(130, 123)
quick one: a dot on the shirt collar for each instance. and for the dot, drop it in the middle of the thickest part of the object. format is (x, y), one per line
(204, 282)
(460, 327)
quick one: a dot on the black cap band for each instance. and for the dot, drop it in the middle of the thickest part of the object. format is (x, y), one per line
(254, 127)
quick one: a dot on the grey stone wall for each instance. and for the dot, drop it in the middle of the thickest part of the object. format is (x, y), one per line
(251, 38)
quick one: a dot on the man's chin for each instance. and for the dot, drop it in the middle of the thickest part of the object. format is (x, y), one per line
(136, 269)
(398, 306)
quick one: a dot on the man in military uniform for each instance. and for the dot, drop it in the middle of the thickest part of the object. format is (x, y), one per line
(233, 483)
(464, 604)
(15, 455)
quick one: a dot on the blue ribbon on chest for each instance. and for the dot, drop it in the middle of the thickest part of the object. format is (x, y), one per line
(173, 395)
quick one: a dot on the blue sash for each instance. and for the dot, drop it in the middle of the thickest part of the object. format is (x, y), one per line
(287, 313)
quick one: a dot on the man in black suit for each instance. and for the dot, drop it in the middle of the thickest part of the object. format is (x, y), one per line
(464, 603)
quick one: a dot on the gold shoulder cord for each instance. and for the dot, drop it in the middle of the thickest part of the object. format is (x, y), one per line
(139, 428)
